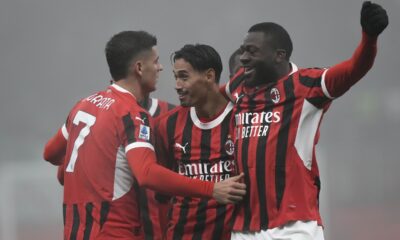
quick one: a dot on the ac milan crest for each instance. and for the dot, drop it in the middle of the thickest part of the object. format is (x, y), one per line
(229, 146)
(275, 95)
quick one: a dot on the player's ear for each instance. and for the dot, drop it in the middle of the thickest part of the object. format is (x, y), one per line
(137, 67)
(210, 75)
(280, 55)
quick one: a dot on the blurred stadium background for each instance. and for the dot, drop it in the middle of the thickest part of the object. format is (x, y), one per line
(52, 54)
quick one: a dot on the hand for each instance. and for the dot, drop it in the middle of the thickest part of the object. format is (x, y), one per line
(374, 18)
(229, 190)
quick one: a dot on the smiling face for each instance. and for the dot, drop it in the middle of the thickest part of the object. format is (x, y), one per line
(192, 86)
(258, 58)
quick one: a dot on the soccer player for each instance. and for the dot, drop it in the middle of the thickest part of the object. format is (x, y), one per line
(278, 111)
(195, 140)
(107, 146)
(153, 211)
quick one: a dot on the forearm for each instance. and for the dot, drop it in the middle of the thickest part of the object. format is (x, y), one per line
(149, 174)
(55, 148)
(341, 77)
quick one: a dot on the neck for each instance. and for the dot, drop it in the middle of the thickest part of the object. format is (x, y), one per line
(215, 103)
(283, 70)
(145, 101)
(271, 76)
(132, 86)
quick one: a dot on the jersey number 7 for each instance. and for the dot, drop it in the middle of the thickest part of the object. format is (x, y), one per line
(89, 120)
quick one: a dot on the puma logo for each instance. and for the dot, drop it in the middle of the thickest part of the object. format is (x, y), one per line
(238, 97)
(142, 120)
(181, 147)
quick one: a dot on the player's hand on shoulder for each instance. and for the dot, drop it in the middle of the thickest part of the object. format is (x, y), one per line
(230, 190)
(374, 18)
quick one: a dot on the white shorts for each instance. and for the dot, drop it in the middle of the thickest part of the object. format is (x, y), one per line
(297, 230)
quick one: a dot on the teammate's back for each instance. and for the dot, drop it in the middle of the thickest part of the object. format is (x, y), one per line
(98, 181)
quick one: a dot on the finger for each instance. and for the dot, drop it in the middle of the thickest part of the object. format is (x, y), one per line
(238, 185)
(234, 199)
(366, 4)
(374, 12)
(237, 192)
(237, 177)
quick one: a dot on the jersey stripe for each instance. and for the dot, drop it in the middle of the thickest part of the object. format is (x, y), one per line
(323, 85)
(64, 132)
(306, 131)
(245, 153)
(260, 168)
(89, 221)
(178, 233)
(201, 216)
(202, 206)
(75, 222)
(129, 128)
(171, 125)
(185, 157)
(138, 145)
(105, 208)
(144, 211)
(283, 135)
(64, 212)
(153, 106)
(219, 222)
(310, 82)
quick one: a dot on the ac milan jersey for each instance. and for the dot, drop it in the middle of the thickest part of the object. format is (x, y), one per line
(153, 213)
(202, 150)
(99, 198)
(276, 130)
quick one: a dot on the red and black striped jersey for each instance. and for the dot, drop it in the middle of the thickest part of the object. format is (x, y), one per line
(276, 129)
(153, 212)
(99, 198)
(203, 150)
(276, 132)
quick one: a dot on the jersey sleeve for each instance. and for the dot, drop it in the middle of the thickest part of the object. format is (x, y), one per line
(339, 78)
(137, 131)
(149, 174)
(55, 148)
(324, 85)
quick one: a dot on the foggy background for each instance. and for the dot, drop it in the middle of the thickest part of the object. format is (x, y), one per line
(52, 54)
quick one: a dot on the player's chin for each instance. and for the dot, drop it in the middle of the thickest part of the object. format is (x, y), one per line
(185, 103)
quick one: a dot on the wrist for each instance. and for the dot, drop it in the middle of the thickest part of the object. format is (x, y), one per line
(368, 39)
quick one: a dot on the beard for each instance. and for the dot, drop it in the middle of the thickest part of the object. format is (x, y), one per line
(263, 74)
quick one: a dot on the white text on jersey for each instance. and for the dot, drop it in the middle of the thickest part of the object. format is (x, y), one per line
(100, 101)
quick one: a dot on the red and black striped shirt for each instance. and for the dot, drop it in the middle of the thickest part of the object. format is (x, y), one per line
(99, 200)
(276, 132)
(202, 150)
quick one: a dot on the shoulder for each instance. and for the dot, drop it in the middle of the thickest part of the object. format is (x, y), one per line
(312, 72)
(174, 112)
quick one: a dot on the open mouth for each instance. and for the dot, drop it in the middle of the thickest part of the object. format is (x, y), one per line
(249, 70)
(182, 95)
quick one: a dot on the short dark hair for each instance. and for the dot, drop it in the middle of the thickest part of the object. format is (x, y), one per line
(280, 38)
(233, 63)
(201, 57)
(123, 47)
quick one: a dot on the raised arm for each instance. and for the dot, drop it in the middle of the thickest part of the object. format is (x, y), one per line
(339, 78)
